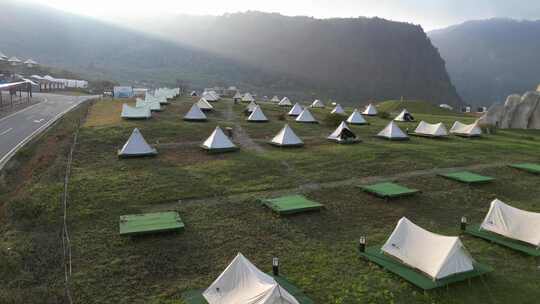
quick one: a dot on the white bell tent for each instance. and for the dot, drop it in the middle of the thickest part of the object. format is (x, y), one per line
(393, 132)
(195, 114)
(237, 95)
(306, 117)
(257, 115)
(343, 134)
(356, 118)
(218, 142)
(404, 116)
(275, 99)
(435, 255)
(129, 112)
(464, 130)
(513, 223)
(136, 146)
(251, 106)
(248, 97)
(338, 110)
(204, 105)
(285, 102)
(286, 137)
(295, 110)
(370, 110)
(243, 283)
(317, 103)
(431, 130)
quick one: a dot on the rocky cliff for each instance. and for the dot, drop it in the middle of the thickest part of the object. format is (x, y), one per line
(518, 112)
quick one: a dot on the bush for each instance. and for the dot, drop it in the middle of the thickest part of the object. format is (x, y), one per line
(384, 115)
(333, 120)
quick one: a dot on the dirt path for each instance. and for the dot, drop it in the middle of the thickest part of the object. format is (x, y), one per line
(332, 184)
(240, 136)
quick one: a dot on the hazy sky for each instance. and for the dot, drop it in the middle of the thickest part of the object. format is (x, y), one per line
(431, 14)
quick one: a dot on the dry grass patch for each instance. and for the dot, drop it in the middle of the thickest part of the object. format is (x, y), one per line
(106, 112)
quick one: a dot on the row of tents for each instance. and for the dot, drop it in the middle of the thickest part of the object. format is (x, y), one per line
(152, 102)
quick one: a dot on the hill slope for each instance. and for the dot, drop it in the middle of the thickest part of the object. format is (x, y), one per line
(491, 59)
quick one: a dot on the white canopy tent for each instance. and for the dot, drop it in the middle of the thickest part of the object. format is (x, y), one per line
(338, 110)
(317, 103)
(431, 130)
(136, 145)
(286, 137)
(370, 110)
(461, 129)
(257, 115)
(248, 98)
(393, 132)
(285, 102)
(356, 118)
(513, 223)
(153, 105)
(275, 99)
(306, 117)
(343, 134)
(435, 255)
(218, 141)
(404, 116)
(295, 110)
(243, 283)
(195, 114)
(130, 112)
(204, 105)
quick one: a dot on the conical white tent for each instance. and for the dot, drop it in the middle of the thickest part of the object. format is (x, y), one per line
(404, 116)
(461, 129)
(153, 105)
(248, 98)
(393, 132)
(274, 99)
(513, 223)
(251, 107)
(237, 95)
(435, 255)
(286, 137)
(338, 110)
(285, 102)
(195, 114)
(210, 96)
(370, 110)
(306, 116)
(136, 146)
(317, 104)
(130, 112)
(204, 105)
(431, 130)
(295, 110)
(356, 118)
(257, 115)
(218, 142)
(243, 283)
(343, 134)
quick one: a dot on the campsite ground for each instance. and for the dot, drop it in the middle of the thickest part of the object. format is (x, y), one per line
(217, 198)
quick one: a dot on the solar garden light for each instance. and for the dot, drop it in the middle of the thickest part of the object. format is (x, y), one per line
(275, 266)
(362, 244)
(463, 223)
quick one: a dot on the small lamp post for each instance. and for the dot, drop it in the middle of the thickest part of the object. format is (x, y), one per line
(463, 223)
(362, 244)
(275, 266)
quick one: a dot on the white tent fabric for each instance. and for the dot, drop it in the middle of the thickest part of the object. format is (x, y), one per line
(392, 131)
(356, 118)
(370, 110)
(257, 115)
(237, 95)
(286, 137)
(404, 116)
(513, 223)
(135, 112)
(274, 99)
(432, 130)
(218, 141)
(336, 135)
(317, 104)
(243, 283)
(285, 102)
(136, 146)
(437, 256)
(466, 130)
(248, 98)
(251, 106)
(195, 113)
(295, 110)
(153, 105)
(209, 96)
(306, 116)
(204, 105)
(338, 110)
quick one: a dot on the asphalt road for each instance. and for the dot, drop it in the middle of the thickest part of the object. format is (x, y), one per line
(20, 127)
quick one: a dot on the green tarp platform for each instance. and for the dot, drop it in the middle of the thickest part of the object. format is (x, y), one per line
(389, 190)
(196, 297)
(523, 247)
(291, 204)
(150, 223)
(413, 276)
(529, 167)
(467, 177)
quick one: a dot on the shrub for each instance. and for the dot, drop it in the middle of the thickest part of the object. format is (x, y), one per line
(384, 115)
(333, 120)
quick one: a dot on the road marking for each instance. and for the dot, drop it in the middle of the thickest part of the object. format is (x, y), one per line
(6, 131)
(39, 121)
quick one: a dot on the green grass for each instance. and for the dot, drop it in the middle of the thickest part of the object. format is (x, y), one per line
(217, 197)
(413, 106)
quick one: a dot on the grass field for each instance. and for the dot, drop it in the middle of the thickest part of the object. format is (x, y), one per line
(217, 198)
